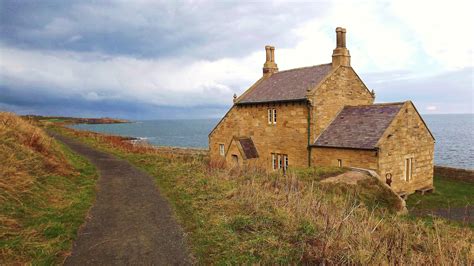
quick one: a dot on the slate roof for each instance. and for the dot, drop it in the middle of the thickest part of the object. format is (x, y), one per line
(249, 148)
(359, 127)
(288, 85)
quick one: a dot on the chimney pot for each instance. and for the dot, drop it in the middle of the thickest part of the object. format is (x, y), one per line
(340, 55)
(270, 66)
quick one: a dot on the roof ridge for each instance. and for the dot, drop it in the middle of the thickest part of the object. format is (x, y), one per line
(376, 104)
(299, 68)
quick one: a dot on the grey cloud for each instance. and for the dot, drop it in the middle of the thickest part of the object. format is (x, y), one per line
(450, 91)
(153, 29)
(35, 102)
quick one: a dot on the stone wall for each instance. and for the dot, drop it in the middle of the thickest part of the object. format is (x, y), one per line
(454, 173)
(342, 87)
(233, 149)
(287, 136)
(406, 137)
(350, 157)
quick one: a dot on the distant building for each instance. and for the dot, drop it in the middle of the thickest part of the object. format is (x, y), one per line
(324, 115)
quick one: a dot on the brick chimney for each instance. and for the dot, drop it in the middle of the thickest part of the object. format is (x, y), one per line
(340, 55)
(270, 67)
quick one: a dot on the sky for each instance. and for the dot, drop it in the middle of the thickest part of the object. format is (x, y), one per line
(186, 59)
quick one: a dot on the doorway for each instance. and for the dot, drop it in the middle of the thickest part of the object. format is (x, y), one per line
(235, 160)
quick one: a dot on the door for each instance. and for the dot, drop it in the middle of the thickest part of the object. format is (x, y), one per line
(235, 160)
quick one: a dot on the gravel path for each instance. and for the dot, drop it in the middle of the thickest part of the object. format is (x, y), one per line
(130, 222)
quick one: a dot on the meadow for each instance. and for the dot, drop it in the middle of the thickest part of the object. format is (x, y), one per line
(235, 216)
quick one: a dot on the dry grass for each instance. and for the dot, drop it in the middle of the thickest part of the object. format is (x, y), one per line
(242, 216)
(339, 229)
(26, 153)
(43, 198)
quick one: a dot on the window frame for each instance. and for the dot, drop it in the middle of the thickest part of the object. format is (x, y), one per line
(280, 161)
(408, 173)
(274, 162)
(271, 116)
(221, 149)
(339, 162)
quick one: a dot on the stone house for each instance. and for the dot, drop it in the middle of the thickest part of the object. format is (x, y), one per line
(324, 115)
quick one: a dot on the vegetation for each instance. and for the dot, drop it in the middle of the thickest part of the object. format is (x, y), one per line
(45, 192)
(449, 193)
(74, 120)
(236, 216)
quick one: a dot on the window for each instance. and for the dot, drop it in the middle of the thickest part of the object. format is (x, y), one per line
(274, 162)
(221, 149)
(272, 116)
(339, 162)
(279, 161)
(408, 169)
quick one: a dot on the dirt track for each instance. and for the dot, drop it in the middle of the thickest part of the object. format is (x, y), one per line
(130, 222)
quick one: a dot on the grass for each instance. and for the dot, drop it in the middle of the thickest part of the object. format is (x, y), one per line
(318, 173)
(245, 216)
(45, 193)
(449, 193)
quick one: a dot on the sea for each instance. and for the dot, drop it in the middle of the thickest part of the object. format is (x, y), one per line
(454, 134)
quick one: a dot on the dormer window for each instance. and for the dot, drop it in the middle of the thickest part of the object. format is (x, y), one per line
(272, 116)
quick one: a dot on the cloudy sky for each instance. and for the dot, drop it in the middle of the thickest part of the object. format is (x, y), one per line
(185, 59)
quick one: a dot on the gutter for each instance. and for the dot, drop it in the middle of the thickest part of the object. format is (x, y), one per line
(309, 133)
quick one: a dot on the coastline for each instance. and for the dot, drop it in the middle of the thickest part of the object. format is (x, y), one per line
(458, 173)
(76, 120)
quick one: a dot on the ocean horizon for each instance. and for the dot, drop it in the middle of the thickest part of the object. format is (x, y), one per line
(454, 134)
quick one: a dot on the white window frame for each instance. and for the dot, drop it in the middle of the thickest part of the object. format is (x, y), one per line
(221, 149)
(408, 173)
(272, 116)
(280, 161)
(274, 164)
(339, 162)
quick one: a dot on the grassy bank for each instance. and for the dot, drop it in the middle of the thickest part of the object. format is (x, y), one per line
(45, 193)
(452, 198)
(449, 193)
(235, 216)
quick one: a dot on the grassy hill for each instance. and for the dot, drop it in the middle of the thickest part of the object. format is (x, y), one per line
(244, 216)
(45, 192)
